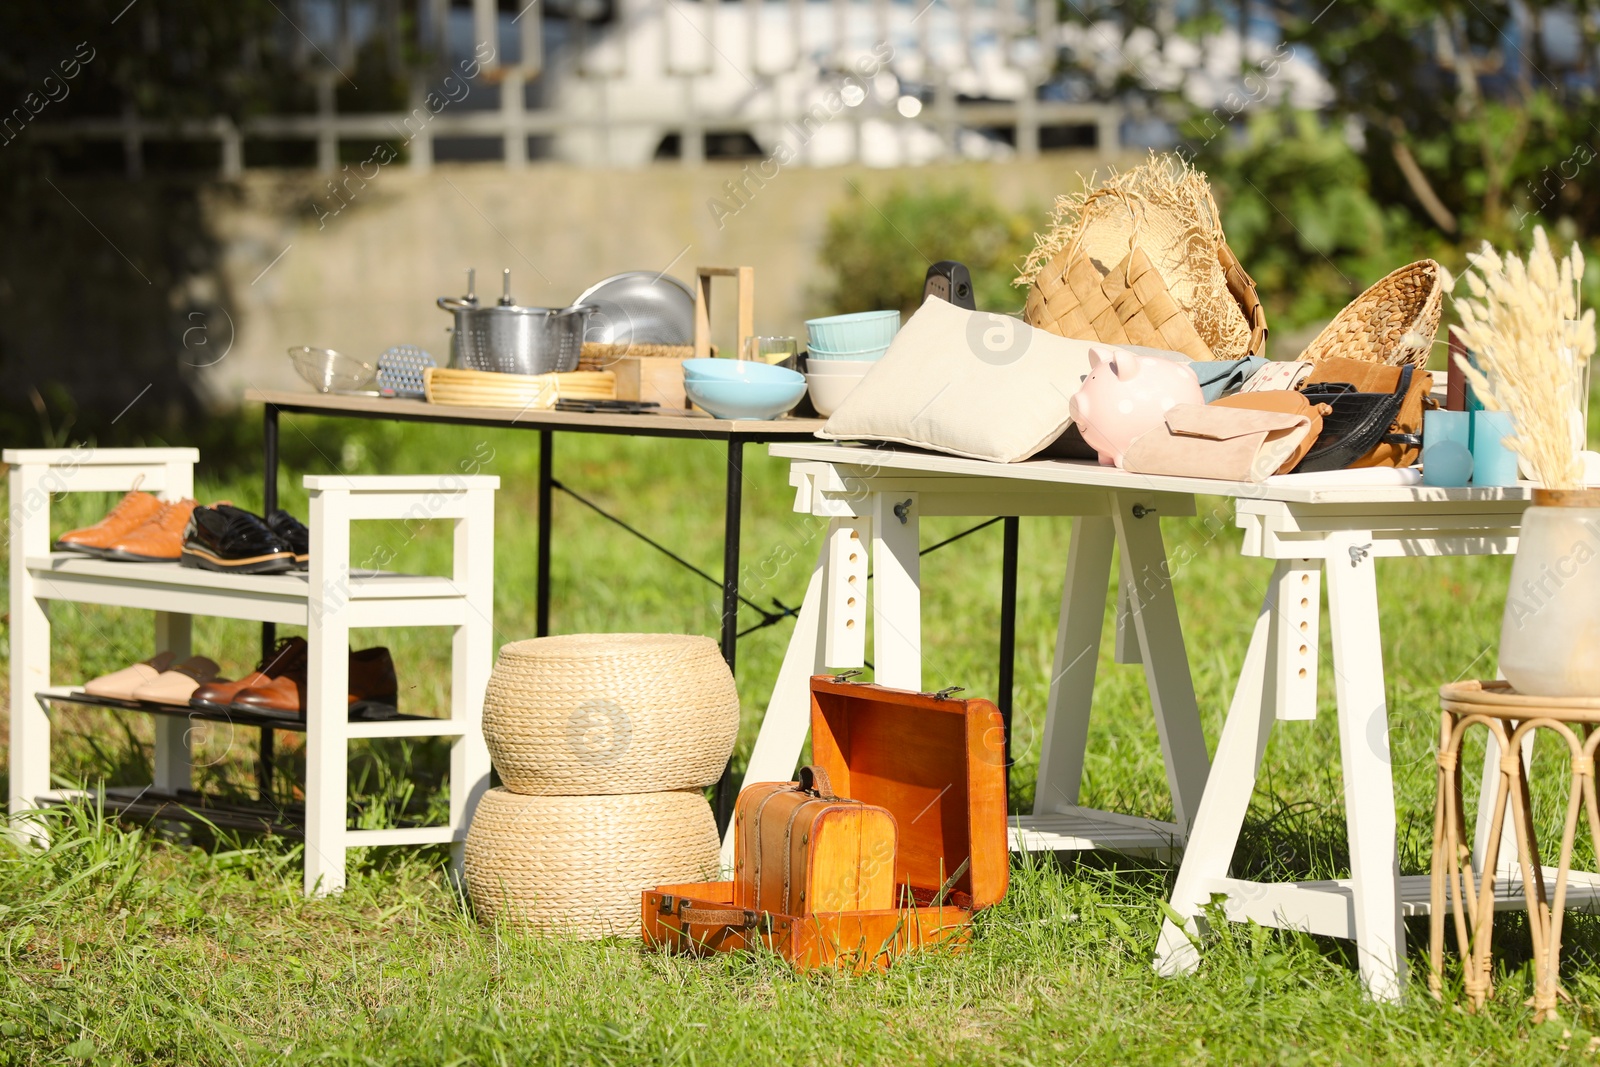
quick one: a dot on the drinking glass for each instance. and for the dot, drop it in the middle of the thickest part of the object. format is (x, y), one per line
(770, 349)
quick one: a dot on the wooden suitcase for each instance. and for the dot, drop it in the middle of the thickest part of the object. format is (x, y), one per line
(938, 766)
(798, 848)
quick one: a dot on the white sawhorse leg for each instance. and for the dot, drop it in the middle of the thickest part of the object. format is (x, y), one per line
(830, 629)
(1148, 633)
(1066, 719)
(1147, 574)
(788, 716)
(1364, 755)
(1209, 850)
(1368, 778)
(896, 592)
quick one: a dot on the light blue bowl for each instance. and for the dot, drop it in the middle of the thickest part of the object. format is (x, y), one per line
(867, 355)
(853, 333)
(746, 399)
(738, 370)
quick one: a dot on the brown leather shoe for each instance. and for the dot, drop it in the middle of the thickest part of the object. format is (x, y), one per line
(132, 511)
(284, 695)
(159, 540)
(289, 657)
(372, 686)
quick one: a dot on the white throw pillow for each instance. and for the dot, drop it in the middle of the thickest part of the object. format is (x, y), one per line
(970, 383)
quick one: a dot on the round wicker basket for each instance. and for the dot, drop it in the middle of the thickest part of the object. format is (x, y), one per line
(576, 865)
(586, 714)
(1393, 322)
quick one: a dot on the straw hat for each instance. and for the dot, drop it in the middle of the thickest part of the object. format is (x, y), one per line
(1153, 239)
(585, 714)
(576, 865)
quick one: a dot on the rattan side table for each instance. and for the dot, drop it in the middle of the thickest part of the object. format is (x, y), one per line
(1510, 717)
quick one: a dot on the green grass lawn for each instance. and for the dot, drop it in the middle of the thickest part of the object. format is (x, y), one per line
(119, 946)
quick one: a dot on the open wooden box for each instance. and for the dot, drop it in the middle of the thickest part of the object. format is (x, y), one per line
(938, 764)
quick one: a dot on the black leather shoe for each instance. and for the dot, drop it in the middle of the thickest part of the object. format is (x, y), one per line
(225, 538)
(292, 532)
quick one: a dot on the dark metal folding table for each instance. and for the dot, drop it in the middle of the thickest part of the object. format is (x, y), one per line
(734, 433)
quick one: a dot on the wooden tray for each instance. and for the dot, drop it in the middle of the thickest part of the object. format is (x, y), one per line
(487, 389)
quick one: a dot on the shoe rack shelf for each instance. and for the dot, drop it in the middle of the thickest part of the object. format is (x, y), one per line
(329, 600)
(395, 726)
(144, 803)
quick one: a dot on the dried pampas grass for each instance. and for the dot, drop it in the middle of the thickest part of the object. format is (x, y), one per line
(1531, 342)
(1165, 207)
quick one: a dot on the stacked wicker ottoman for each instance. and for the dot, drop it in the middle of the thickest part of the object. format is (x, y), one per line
(604, 744)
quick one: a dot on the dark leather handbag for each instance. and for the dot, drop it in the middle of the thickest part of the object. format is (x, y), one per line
(1358, 424)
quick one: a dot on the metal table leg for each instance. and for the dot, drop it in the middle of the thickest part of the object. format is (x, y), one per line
(542, 582)
(1011, 527)
(727, 790)
(269, 631)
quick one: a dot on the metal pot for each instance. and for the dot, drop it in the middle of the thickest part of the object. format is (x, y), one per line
(510, 339)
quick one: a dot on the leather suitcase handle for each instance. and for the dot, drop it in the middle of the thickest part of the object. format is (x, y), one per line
(814, 780)
(738, 918)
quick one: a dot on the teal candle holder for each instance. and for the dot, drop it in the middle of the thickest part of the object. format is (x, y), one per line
(1446, 448)
(1493, 464)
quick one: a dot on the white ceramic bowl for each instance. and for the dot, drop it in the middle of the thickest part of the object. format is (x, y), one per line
(863, 355)
(828, 391)
(839, 368)
(815, 371)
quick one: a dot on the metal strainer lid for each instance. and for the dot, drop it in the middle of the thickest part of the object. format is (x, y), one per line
(640, 307)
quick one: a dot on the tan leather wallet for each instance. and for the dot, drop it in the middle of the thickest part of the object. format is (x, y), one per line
(1230, 442)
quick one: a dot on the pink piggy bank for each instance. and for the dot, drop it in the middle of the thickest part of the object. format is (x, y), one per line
(1125, 395)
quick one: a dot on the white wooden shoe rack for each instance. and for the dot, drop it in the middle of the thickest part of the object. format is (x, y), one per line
(330, 600)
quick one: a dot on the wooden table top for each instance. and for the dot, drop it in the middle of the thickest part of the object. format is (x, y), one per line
(688, 424)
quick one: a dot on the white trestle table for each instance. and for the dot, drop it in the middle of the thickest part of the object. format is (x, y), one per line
(1320, 533)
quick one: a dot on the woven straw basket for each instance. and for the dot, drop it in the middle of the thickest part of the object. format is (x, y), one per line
(576, 865)
(1393, 322)
(585, 714)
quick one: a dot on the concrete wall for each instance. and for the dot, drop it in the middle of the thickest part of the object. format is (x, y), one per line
(299, 268)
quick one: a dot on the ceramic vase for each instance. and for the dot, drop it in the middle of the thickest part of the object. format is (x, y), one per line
(1550, 633)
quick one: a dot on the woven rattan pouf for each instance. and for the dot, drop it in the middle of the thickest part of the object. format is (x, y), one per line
(576, 865)
(586, 714)
(1510, 718)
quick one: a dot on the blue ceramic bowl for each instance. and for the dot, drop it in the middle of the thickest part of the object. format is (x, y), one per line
(738, 370)
(746, 399)
(852, 333)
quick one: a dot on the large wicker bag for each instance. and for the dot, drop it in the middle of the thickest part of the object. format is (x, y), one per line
(1393, 322)
(587, 714)
(576, 865)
